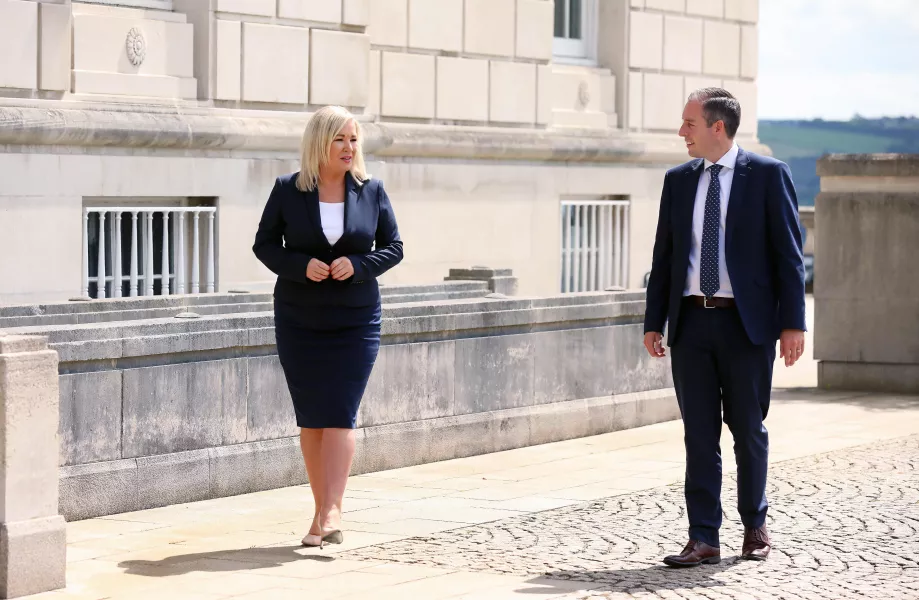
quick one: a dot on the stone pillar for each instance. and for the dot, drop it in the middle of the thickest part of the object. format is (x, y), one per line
(33, 536)
(866, 288)
(500, 281)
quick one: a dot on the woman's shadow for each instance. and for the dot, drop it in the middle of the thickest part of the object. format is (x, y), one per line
(242, 559)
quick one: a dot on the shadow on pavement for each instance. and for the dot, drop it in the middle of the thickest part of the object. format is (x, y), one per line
(223, 560)
(867, 400)
(648, 579)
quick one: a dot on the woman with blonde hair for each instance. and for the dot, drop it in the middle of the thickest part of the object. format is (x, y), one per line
(328, 231)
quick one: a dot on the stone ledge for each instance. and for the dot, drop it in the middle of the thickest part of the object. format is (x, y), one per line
(17, 344)
(408, 322)
(153, 307)
(97, 489)
(106, 488)
(868, 165)
(191, 127)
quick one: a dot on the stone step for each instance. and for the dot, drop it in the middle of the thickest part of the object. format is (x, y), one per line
(134, 309)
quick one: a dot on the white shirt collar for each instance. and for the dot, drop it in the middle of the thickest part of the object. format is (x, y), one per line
(729, 160)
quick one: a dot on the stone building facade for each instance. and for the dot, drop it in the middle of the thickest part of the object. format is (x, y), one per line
(139, 138)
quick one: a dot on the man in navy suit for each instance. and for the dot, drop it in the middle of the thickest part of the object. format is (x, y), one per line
(728, 280)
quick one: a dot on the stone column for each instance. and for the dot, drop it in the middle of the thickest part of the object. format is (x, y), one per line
(33, 536)
(866, 291)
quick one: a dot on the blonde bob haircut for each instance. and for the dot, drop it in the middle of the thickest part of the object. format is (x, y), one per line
(320, 132)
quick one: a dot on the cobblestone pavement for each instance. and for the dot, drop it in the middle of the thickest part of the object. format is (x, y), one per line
(844, 525)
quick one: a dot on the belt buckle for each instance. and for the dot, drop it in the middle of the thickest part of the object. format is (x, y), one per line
(705, 303)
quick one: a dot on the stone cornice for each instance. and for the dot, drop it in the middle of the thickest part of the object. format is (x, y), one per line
(868, 165)
(56, 123)
(60, 123)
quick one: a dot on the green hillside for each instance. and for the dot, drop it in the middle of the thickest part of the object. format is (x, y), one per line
(801, 143)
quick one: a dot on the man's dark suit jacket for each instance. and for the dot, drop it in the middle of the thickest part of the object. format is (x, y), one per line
(290, 235)
(763, 248)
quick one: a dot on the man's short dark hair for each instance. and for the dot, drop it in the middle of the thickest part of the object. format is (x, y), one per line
(719, 104)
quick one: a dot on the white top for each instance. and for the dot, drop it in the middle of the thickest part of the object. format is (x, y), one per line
(726, 178)
(333, 220)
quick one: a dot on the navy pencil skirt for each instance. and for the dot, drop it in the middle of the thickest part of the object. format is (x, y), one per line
(327, 354)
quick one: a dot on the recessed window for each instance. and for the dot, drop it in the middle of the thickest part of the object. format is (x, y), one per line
(145, 250)
(574, 29)
(595, 244)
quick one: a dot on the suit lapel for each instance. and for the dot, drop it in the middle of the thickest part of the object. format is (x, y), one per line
(687, 204)
(311, 201)
(738, 186)
(352, 189)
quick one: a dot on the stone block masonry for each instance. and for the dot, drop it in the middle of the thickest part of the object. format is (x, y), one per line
(32, 533)
(157, 410)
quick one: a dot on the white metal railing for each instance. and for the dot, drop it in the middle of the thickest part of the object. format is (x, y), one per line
(595, 245)
(177, 231)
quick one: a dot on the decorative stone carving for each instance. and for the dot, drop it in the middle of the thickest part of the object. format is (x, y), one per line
(583, 94)
(136, 46)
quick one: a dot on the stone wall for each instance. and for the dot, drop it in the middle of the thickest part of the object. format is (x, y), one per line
(479, 132)
(464, 61)
(866, 292)
(676, 46)
(289, 52)
(157, 411)
(452, 212)
(458, 61)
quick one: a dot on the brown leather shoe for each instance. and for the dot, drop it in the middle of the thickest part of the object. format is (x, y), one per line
(756, 544)
(694, 554)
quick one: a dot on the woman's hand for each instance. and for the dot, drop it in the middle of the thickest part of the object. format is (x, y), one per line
(317, 270)
(342, 268)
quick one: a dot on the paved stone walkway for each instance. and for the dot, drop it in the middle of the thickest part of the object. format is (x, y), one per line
(845, 525)
(578, 519)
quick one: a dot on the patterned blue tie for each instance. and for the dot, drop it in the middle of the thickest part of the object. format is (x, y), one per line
(710, 280)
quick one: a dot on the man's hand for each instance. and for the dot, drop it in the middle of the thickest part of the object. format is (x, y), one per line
(791, 345)
(654, 344)
(342, 268)
(317, 270)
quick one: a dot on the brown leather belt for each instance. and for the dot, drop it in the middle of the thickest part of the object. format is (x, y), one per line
(714, 302)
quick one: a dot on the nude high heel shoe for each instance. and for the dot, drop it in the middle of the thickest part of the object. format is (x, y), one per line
(332, 537)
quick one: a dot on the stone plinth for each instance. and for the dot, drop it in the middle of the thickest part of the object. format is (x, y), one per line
(32, 534)
(500, 281)
(866, 288)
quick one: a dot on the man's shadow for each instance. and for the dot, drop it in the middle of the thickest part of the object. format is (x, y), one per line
(652, 579)
(241, 559)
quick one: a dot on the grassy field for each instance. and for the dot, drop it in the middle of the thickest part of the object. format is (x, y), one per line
(798, 141)
(801, 143)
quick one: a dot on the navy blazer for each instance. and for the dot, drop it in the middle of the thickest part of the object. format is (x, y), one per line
(763, 248)
(290, 235)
